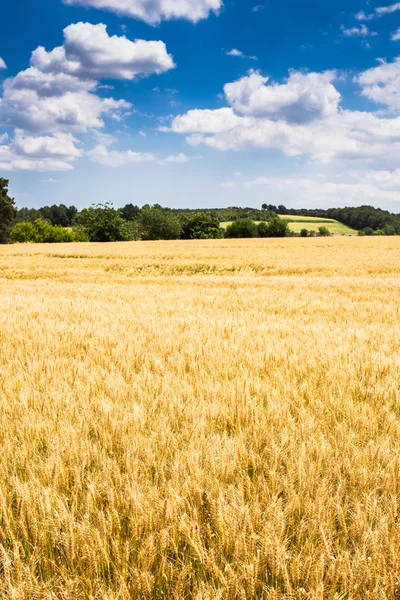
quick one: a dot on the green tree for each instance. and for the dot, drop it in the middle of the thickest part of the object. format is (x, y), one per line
(102, 223)
(242, 228)
(7, 211)
(324, 231)
(263, 229)
(278, 228)
(379, 232)
(157, 223)
(201, 226)
(304, 232)
(389, 230)
(130, 212)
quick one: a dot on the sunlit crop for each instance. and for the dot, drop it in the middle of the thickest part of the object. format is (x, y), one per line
(200, 420)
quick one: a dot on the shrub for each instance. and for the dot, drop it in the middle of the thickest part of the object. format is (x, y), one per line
(242, 228)
(42, 232)
(324, 231)
(361, 233)
(304, 233)
(379, 232)
(368, 231)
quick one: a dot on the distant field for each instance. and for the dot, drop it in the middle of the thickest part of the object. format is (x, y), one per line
(200, 420)
(296, 224)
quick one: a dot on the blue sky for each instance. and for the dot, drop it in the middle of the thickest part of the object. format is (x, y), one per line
(201, 103)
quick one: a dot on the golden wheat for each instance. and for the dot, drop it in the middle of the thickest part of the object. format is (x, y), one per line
(200, 420)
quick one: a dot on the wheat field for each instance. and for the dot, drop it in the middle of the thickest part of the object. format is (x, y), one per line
(200, 420)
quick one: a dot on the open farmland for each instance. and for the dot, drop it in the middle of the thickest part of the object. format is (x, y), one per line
(200, 420)
(297, 223)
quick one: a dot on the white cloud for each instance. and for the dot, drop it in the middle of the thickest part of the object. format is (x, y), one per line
(89, 52)
(380, 11)
(395, 35)
(50, 180)
(257, 8)
(57, 98)
(178, 158)
(303, 98)
(324, 194)
(362, 31)
(114, 158)
(382, 84)
(301, 117)
(2, 64)
(47, 102)
(387, 10)
(155, 11)
(363, 16)
(240, 54)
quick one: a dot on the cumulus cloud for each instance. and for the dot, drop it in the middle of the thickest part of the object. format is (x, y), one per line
(89, 52)
(114, 158)
(303, 98)
(382, 84)
(155, 11)
(2, 64)
(302, 116)
(47, 102)
(57, 97)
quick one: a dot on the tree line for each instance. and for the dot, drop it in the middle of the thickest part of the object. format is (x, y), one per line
(104, 223)
(362, 218)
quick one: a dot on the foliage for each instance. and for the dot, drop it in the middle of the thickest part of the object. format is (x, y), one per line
(242, 228)
(226, 215)
(55, 214)
(130, 212)
(103, 223)
(41, 231)
(157, 223)
(201, 226)
(360, 217)
(7, 211)
(278, 228)
(304, 232)
(379, 232)
(323, 231)
(368, 231)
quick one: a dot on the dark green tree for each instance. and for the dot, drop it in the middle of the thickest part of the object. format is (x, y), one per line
(130, 212)
(278, 228)
(7, 211)
(201, 226)
(242, 228)
(157, 223)
(304, 232)
(102, 223)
